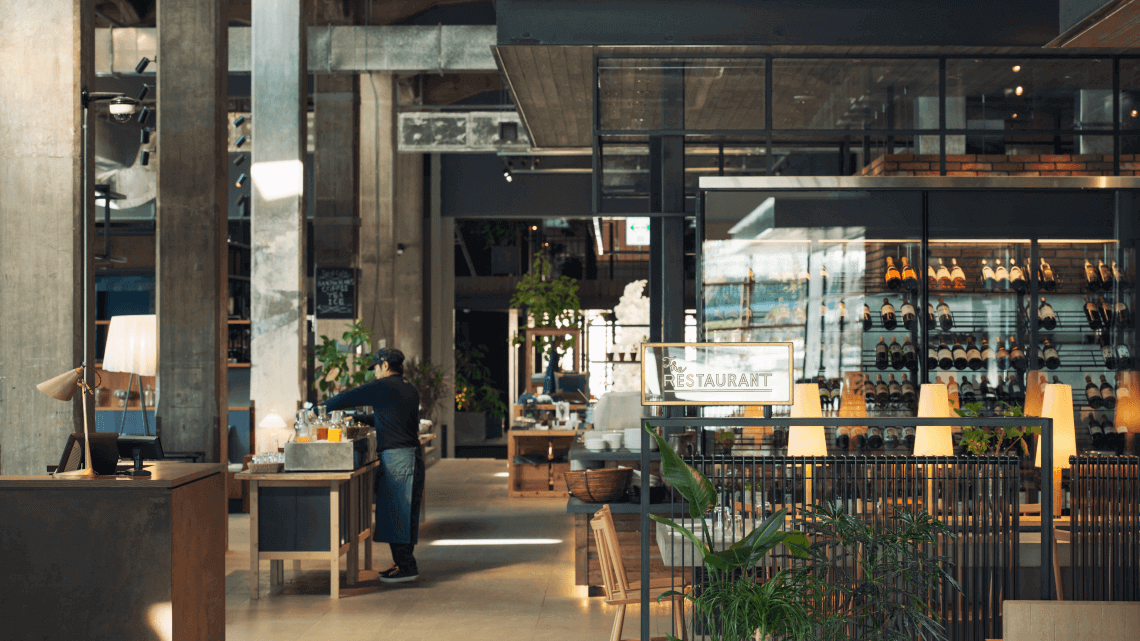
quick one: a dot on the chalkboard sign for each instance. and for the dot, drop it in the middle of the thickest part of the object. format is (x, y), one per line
(336, 292)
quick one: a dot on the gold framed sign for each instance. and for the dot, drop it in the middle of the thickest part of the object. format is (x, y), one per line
(716, 374)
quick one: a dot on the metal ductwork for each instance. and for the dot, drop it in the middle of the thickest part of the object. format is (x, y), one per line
(342, 49)
(461, 132)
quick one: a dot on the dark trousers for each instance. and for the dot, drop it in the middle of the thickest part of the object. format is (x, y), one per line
(402, 553)
(402, 556)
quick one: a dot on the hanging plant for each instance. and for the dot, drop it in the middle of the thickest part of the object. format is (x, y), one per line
(552, 303)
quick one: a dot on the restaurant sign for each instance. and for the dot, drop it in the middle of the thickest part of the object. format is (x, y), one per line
(716, 374)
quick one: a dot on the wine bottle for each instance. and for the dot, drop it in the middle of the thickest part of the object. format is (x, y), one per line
(1123, 316)
(882, 392)
(930, 322)
(908, 437)
(893, 278)
(1046, 316)
(896, 354)
(1001, 276)
(1119, 276)
(1107, 280)
(1046, 277)
(1092, 315)
(843, 438)
(909, 278)
(822, 316)
(1040, 362)
(1092, 394)
(887, 313)
(1122, 391)
(1119, 433)
(908, 315)
(988, 280)
(1107, 394)
(910, 359)
(1052, 358)
(945, 356)
(836, 395)
(1107, 312)
(874, 438)
(943, 275)
(882, 355)
(931, 277)
(1108, 354)
(841, 317)
(966, 391)
(860, 439)
(989, 397)
(1002, 391)
(894, 390)
(1002, 356)
(1016, 356)
(945, 318)
(1092, 277)
(957, 276)
(1017, 278)
(866, 318)
(823, 278)
(952, 388)
(987, 353)
(973, 354)
(1096, 431)
(1015, 389)
(1123, 357)
(959, 354)
(908, 394)
(890, 438)
(868, 391)
(931, 356)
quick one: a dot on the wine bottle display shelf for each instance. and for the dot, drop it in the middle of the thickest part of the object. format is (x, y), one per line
(989, 322)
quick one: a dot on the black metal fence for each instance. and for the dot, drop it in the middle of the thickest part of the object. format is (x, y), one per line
(1104, 548)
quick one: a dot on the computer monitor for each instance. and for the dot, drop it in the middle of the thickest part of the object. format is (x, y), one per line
(149, 447)
(104, 453)
(574, 388)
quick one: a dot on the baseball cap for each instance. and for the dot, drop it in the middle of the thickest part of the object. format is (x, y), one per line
(390, 356)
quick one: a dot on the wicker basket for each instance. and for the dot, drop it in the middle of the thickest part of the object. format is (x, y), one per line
(599, 486)
(265, 468)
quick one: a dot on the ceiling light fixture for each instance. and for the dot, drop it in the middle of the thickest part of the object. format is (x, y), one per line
(239, 160)
(1016, 68)
(240, 181)
(142, 93)
(142, 65)
(122, 108)
(507, 175)
(144, 135)
(144, 157)
(237, 123)
(1019, 90)
(240, 141)
(144, 115)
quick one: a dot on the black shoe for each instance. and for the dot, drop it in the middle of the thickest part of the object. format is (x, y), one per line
(396, 575)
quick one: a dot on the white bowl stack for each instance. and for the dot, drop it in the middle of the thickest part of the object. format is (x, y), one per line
(633, 440)
(613, 439)
(594, 441)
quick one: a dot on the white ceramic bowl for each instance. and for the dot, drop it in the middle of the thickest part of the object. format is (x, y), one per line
(614, 440)
(633, 439)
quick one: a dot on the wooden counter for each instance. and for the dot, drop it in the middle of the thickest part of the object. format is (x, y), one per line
(115, 557)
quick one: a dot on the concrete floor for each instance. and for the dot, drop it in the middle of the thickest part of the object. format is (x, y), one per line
(482, 592)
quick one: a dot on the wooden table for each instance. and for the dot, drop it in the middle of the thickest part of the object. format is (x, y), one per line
(349, 497)
(544, 480)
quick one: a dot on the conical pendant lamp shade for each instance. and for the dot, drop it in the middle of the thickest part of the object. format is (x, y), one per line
(1035, 383)
(62, 387)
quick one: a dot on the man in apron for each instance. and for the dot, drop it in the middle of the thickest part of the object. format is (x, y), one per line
(400, 480)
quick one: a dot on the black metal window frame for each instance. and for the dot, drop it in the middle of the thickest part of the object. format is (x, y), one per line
(769, 131)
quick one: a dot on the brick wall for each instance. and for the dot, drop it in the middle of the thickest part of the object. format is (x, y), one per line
(1000, 165)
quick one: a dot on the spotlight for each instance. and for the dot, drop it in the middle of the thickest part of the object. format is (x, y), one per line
(240, 141)
(534, 227)
(507, 175)
(144, 135)
(144, 157)
(1019, 90)
(240, 181)
(143, 92)
(1015, 115)
(237, 123)
(1134, 113)
(122, 108)
(239, 160)
(241, 202)
(400, 249)
(142, 65)
(1016, 68)
(144, 115)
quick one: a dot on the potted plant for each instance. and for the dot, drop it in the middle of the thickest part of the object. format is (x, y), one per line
(339, 369)
(723, 440)
(477, 402)
(429, 381)
(1002, 440)
(549, 302)
(732, 605)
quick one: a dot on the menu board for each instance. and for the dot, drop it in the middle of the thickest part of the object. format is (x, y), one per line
(336, 292)
(716, 374)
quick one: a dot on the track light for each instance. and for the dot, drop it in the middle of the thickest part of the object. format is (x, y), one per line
(240, 141)
(240, 181)
(144, 115)
(122, 108)
(239, 160)
(144, 157)
(237, 123)
(507, 175)
(242, 201)
(144, 135)
(142, 65)
(1020, 90)
(143, 92)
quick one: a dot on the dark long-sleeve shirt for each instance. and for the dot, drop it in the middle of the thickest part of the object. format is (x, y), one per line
(395, 407)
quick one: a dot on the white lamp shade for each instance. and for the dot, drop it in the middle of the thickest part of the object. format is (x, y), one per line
(806, 440)
(1058, 405)
(132, 345)
(934, 440)
(272, 421)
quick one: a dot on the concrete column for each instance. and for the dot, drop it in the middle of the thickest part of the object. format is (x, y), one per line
(277, 379)
(441, 232)
(191, 258)
(43, 312)
(391, 216)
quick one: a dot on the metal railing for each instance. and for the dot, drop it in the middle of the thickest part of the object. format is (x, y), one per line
(1104, 547)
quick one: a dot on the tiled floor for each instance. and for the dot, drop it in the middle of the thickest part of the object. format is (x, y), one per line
(482, 592)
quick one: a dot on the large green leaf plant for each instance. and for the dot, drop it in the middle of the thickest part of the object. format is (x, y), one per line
(550, 302)
(340, 369)
(733, 605)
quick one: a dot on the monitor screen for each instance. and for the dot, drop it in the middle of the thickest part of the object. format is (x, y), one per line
(104, 453)
(572, 383)
(149, 446)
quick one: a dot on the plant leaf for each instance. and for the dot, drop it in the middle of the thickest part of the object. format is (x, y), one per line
(694, 486)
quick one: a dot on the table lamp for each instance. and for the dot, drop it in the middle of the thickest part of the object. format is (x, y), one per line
(1034, 392)
(62, 388)
(807, 440)
(276, 424)
(933, 440)
(1058, 405)
(132, 347)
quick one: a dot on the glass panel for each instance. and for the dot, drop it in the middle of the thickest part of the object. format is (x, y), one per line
(854, 94)
(1005, 94)
(1129, 93)
(695, 94)
(725, 374)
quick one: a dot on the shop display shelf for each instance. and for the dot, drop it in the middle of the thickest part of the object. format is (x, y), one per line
(578, 452)
(578, 506)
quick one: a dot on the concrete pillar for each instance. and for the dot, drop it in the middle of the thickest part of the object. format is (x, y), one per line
(441, 232)
(48, 47)
(277, 377)
(191, 257)
(391, 224)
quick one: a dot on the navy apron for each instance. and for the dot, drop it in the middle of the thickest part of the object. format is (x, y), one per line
(399, 489)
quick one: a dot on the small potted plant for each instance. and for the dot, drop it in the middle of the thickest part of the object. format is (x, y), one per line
(723, 440)
(980, 442)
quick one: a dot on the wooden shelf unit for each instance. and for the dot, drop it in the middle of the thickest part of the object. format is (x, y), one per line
(542, 480)
(531, 361)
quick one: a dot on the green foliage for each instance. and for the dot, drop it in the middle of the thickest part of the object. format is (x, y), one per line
(473, 390)
(733, 605)
(498, 232)
(980, 442)
(866, 582)
(552, 303)
(339, 370)
(431, 384)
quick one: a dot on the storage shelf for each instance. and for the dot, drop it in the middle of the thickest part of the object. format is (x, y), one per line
(578, 452)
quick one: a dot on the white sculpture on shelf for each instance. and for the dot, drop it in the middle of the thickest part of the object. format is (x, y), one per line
(632, 309)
